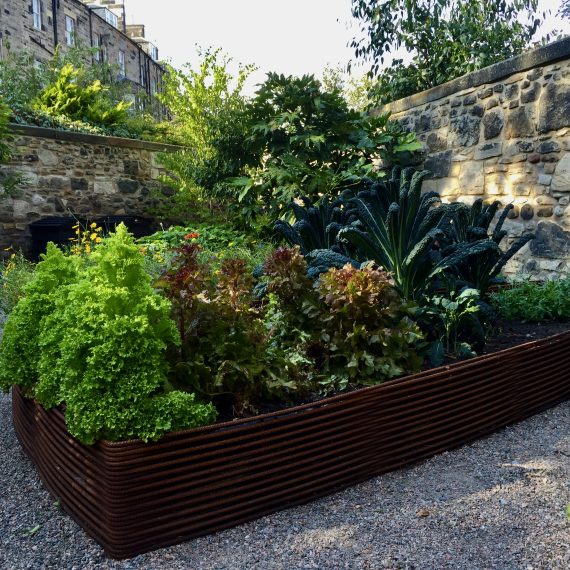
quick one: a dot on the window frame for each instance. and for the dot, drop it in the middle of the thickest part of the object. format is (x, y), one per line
(69, 31)
(122, 61)
(37, 14)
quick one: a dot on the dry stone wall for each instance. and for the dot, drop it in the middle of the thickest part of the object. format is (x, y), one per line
(503, 133)
(71, 173)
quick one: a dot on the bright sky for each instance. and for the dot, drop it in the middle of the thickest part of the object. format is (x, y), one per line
(287, 36)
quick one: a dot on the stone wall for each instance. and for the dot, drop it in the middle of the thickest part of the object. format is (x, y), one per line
(72, 173)
(504, 133)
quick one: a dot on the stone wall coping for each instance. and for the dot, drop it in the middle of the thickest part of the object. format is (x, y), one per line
(543, 55)
(71, 136)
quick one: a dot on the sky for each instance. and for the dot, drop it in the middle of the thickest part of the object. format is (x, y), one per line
(292, 37)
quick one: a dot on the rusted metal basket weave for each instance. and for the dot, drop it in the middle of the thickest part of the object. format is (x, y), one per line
(133, 497)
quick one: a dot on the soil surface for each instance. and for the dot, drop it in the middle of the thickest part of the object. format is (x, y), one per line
(513, 333)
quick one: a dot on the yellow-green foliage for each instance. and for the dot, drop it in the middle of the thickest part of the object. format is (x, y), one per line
(94, 337)
(68, 97)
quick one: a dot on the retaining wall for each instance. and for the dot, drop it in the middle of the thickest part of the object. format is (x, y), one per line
(504, 133)
(72, 173)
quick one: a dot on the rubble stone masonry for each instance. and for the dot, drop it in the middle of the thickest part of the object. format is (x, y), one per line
(72, 173)
(503, 133)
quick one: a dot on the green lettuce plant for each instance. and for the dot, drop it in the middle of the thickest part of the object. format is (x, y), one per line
(92, 335)
(366, 330)
(223, 354)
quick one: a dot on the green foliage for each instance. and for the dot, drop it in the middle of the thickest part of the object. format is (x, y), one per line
(351, 324)
(20, 79)
(475, 259)
(209, 118)
(311, 143)
(23, 79)
(316, 225)
(10, 182)
(15, 274)
(93, 336)
(455, 321)
(224, 340)
(534, 302)
(446, 39)
(355, 90)
(69, 97)
(19, 354)
(216, 244)
(400, 227)
(367, 331)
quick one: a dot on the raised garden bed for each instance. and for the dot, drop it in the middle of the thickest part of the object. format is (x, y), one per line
(133, 497)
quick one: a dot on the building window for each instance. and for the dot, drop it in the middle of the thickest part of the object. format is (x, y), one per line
(153, 52)
(111, 18)
(69, 31)
(37, 13)
(97, 44)
(101, 52)
(122, 65)
(142, 76)
(153, 86)
(107, 15)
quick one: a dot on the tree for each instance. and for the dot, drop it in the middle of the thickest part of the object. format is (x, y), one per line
(445, 38)
(209, 118)
(310, 143)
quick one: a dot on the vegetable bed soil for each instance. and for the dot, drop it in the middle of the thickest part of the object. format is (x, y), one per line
(133, 497)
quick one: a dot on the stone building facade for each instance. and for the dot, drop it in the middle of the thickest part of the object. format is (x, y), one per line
(84, 175)
(503, 133)
(38, 26)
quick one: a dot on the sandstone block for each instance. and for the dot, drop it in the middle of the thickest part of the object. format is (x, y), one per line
(439, 164)
(472, 178)
(488, 150)
(493, 124)
(554, 107)
(530, 95)
(519, 124)
(551, 241)
(561, 177)
(464, 130)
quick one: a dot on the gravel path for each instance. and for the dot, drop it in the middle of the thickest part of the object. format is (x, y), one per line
(499, 503)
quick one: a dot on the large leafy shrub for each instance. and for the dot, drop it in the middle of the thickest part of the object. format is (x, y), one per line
(311, 143)
(209, 118)
(93, 335)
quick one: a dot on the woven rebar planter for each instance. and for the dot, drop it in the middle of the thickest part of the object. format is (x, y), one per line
(133, 497)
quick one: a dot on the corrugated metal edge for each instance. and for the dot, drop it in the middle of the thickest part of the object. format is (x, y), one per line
(134, 497)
